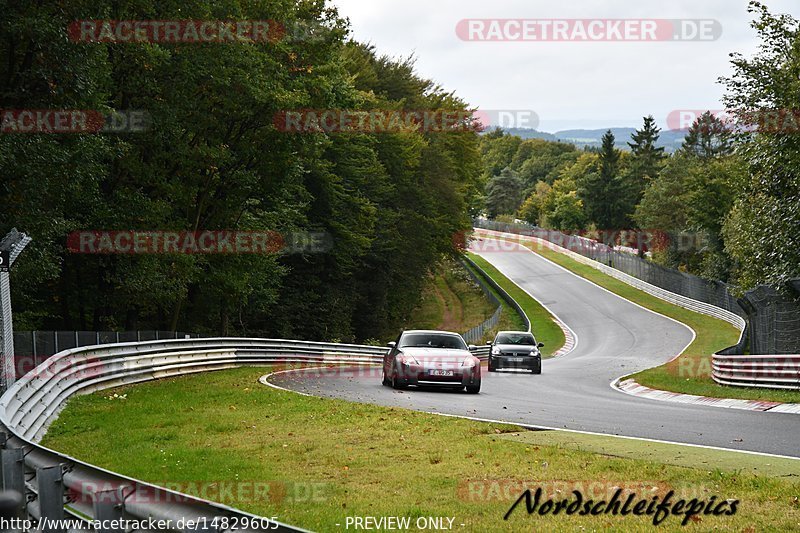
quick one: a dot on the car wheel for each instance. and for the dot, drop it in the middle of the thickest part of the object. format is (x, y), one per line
(492, 368)
(538, 368)
(385, 381)
(397, 383)
(474, 389)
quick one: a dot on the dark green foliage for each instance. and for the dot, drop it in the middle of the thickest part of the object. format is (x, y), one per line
(391, 203)
(604, 192)
(708, 137)
(503, 194)
(761, 231)
(646, 157)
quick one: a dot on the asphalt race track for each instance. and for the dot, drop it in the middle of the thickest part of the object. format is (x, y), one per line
(615, 337)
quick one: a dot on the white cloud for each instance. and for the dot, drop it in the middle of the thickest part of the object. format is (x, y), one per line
(569, 84)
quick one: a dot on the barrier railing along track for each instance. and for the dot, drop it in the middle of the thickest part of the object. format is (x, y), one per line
(34, 401)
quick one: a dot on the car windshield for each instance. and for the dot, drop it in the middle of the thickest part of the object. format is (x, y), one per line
(432, 340)
(525, 339)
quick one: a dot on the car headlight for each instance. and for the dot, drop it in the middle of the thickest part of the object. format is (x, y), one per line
(468, 362)
(495, 351)
(407, 360)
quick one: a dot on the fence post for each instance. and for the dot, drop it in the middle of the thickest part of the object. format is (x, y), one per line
(51, 497)
(10, 247)
(13, 461)
(108, 506)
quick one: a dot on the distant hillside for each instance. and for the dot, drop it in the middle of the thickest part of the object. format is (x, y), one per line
(527, 133)
(670, 140)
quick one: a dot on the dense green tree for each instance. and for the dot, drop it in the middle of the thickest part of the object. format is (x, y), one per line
(708, 137)
(503, 194)
(761, 231)
(603, 192)
(646, 157)
(498, 152)
(389, 203)
(684, 207)
(567, 213)
(531, 209)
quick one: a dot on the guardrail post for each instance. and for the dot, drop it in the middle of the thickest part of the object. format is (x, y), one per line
(108, 506)
(51, 497)
(13, 461)
(10, 247)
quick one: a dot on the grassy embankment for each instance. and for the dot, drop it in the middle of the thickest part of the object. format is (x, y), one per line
(452, 301)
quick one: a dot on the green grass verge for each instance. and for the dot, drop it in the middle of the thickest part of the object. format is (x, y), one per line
(691, 372)
(542, 323)
(452, 301)
(665, 453)
(326, 460)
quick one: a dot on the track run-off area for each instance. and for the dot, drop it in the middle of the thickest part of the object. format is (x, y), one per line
(614, 337)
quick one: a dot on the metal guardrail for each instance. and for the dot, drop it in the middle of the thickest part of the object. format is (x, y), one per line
(31, 348)
(34, 401)
(476, 334)
(502, 292)
(763, 371)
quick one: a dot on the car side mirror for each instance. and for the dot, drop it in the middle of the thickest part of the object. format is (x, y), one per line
(488, 343)
(472, 347)
(540, 345)
(391, 344)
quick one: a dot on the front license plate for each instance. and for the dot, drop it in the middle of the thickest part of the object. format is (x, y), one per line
(515, 359)
(442, 373)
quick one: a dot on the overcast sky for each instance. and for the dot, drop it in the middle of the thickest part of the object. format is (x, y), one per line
(568, 84)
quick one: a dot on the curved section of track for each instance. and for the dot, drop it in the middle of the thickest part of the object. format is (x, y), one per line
(614, 337)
